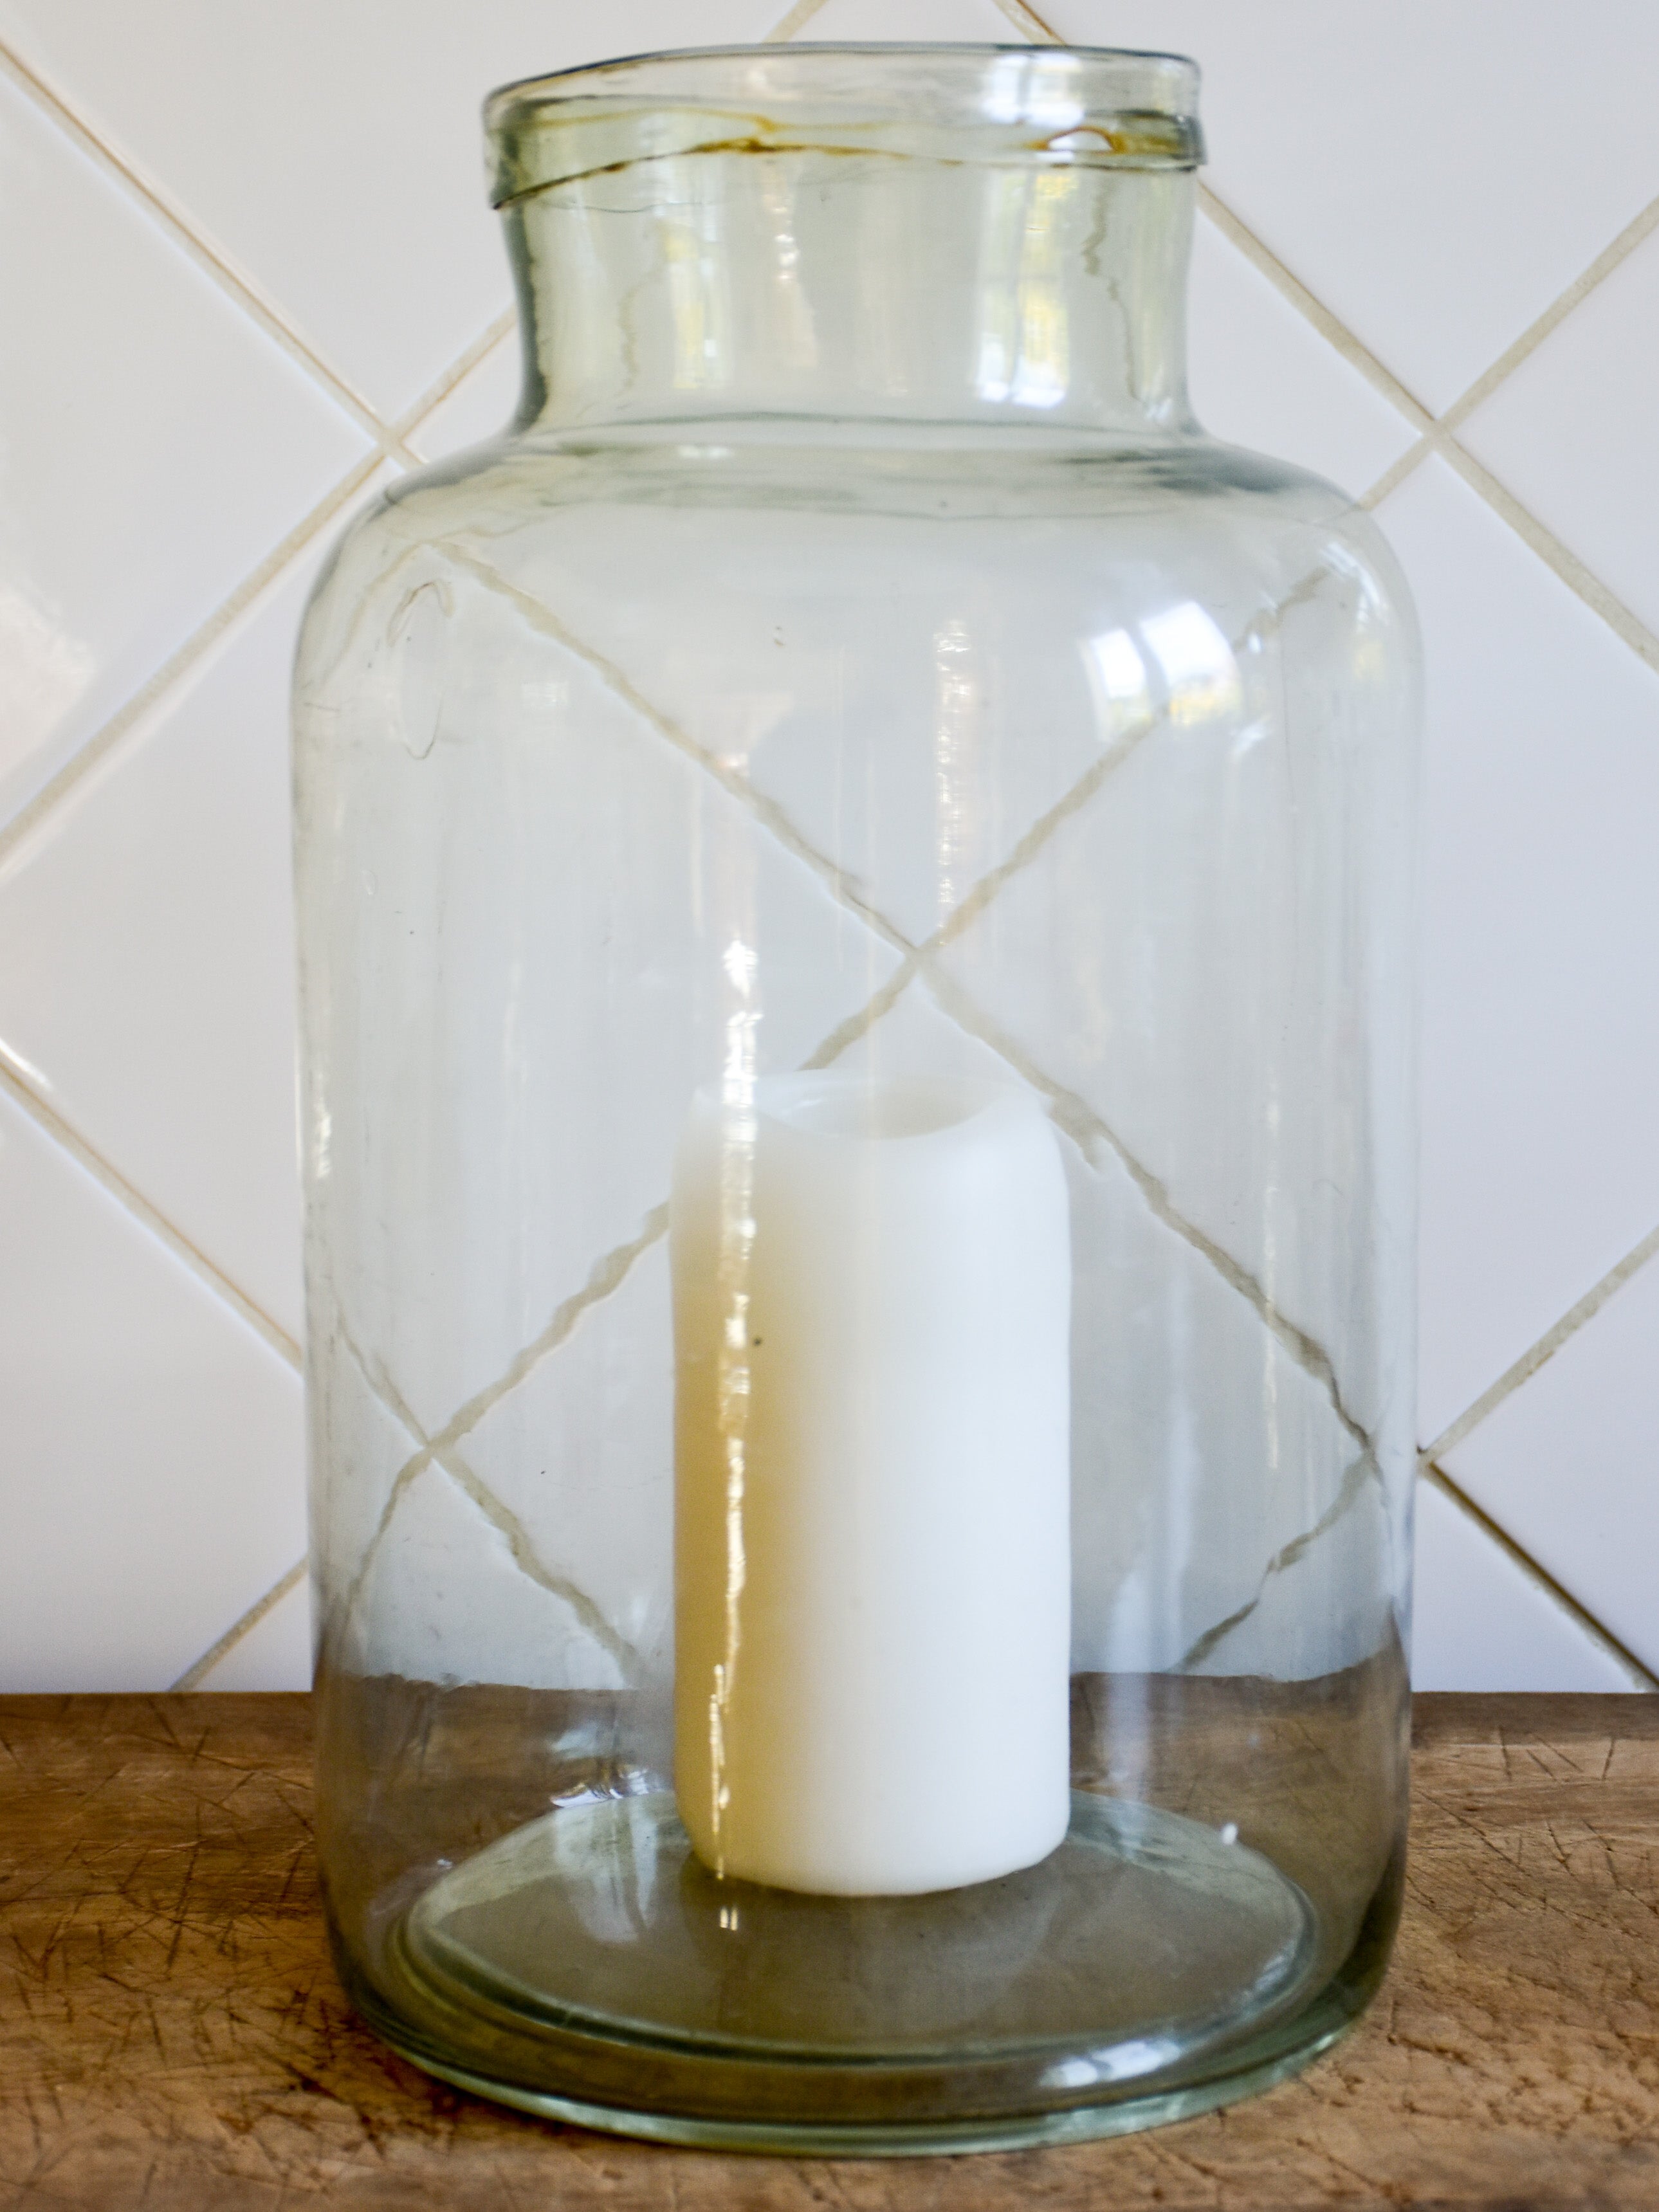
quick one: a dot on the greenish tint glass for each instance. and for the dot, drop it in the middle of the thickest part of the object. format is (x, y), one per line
(856, 669)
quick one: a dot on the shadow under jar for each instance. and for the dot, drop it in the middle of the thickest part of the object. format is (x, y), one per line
(856, 898)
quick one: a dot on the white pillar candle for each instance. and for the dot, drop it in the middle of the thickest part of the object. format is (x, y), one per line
(872, 1586)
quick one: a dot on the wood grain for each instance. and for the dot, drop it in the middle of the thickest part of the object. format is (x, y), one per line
(172, 2034)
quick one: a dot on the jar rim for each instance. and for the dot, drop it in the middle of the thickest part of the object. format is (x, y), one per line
(1044, 106)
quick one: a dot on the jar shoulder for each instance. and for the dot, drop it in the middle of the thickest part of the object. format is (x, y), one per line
(1112, 528)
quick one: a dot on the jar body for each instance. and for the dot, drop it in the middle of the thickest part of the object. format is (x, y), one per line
(653, 763)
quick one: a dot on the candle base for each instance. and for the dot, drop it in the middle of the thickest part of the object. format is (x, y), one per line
(588, 1967)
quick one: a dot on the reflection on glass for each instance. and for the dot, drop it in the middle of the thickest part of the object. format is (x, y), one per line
(1026, 344)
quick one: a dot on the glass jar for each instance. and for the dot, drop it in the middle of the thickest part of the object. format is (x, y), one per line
(856, 899)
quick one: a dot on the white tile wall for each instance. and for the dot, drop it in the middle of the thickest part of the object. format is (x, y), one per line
(136, 398)
(246, 264)
(152, 1441)
(1540, 1019)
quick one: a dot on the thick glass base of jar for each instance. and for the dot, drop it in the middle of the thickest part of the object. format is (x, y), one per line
(586, 1968)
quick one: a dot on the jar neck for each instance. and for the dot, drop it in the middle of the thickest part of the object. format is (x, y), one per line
(730, 283)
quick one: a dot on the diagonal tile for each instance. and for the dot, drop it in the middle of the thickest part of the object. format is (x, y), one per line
(444, 1600)
(146, 959)
(1178, 1505)
(158, 446)
(582, 1455)
(1113, 960)
(481, 404)
(1176, 1513)
(275, 1654)
(612, 863)
(1436, 184)
(354, 1432)
(1263, 377)
(1479, 1622)
(154, 1462)
(1572, 432)
(735, 619)
(1567, 1464)
(333, 153)
(1540, 1034)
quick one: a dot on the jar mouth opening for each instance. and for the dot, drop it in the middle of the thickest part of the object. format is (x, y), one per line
(1041, 106)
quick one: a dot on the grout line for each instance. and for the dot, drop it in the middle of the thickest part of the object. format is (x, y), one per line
(253, 587)
(1086, 1129)
(1262, 257)
(241, 287)
(1556, 314)
(1572, 572)
(858, 1025)
(1043, 33)
(1357, 1473)
(1331, 328)
(193, 1676)
(606, 1275)
(133, 712)
(796, 20)
(1437, 433)
(1641, 1675)
(1437, 439)
(133, 1202)
(536, 614)
(1071, 1114)
(1028, 23)
(434, 396)
(1397, 471)
(1546, 1348)
(183, 659)
(496, 1510)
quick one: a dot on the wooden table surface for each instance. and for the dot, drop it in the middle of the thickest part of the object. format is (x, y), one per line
(171, 2035)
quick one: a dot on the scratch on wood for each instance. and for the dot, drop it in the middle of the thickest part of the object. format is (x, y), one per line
(1508, 2061)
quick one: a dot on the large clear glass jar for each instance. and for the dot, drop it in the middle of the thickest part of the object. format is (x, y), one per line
(856, 894)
